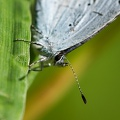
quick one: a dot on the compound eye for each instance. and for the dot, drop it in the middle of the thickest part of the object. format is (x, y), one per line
(57, 57)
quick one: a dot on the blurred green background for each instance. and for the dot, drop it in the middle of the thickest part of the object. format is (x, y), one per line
(54, 94)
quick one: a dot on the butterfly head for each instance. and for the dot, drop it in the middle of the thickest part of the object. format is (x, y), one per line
(59, 60)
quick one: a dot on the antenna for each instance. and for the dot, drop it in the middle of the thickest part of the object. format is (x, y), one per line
(76, 78)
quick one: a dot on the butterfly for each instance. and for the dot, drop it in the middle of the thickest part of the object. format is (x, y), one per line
(63, 25)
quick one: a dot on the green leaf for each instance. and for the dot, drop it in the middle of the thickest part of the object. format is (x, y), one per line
(15, 21)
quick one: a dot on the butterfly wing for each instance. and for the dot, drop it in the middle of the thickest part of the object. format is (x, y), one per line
(70, 23)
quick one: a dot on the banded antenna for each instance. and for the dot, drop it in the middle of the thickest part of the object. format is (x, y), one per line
(76, 79)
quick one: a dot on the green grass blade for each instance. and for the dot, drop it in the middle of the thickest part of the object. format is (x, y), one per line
(15, 21)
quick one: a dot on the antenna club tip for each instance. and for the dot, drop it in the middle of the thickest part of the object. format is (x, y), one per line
(83, 98)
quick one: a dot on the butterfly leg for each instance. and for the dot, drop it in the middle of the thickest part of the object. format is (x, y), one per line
(38, 68)
(42, 64)
(35, 29)
(30, 42)
(16, 40)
